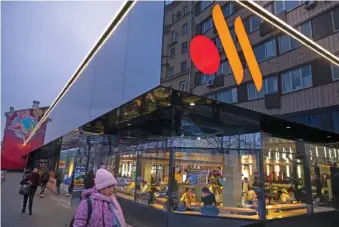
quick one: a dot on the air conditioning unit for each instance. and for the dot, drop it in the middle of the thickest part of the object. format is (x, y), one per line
(310, 4)
(210, 82)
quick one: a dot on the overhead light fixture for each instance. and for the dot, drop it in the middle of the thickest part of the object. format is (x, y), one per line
(128, 124)
(289, 30)
(198, 138)
(329, 136)
(288, 126)
(192, 104)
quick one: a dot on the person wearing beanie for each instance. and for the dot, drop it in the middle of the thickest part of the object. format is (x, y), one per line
(106, 211)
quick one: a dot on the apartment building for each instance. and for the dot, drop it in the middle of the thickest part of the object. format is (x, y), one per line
(298, 83)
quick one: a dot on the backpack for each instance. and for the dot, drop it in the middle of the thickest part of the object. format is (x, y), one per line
(89, 212)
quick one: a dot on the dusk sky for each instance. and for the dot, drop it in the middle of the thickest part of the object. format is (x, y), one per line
(42, 44)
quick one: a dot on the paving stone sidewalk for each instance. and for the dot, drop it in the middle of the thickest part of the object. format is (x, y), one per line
(51, 211)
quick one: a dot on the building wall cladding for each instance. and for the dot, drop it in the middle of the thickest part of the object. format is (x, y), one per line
(117, 73)
(324, 91)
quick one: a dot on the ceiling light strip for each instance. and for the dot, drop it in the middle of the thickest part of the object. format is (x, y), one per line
(117, 19)
(284, 27)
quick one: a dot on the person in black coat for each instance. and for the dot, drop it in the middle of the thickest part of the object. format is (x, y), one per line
(33, 180)
(44, 181)
(89, 180)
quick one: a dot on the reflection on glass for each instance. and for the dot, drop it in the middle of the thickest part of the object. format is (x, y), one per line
(153, 178)
(156, 98)
(323, 167)
(215, 175)
(126, 174)
(284, 178)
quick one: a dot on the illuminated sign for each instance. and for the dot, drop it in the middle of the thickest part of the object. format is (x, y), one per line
(205, 54)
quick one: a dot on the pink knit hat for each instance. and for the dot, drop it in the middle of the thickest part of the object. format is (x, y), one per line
(104, 179)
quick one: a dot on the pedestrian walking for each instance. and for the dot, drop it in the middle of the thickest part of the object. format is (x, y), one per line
(44, 181)
(58, 178)
(33, 181)
(101, 200)
(89, 180)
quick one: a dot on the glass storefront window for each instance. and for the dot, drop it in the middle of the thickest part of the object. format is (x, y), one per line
(126, 174)
(153, 175)
(214, 176)
(284, 178)
(323, 167)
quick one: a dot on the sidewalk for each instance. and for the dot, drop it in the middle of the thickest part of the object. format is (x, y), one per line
(51, 211)
(47, 211)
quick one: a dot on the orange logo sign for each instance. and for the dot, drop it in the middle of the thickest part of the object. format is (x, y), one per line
(205, 55)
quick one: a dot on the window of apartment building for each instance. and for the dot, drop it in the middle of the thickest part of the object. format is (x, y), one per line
(172, 52)
(224, 68)
(204, 5)
(204, 78)
(252, 23)
(170, 71)
(207, 25)
(287, 43)
(184, 29)
(335, 18)
(183, 66)
(174, 36)
(211, 96)
(323, 25)
(336, 121)
(173, 17)
(232, 31)
(228, 96)
(270, 85)
(297, 79)
(285, 5)
(182, 85)
(265, 51)
(185, 10)
(184, 47)
(335, 72)
(306, 29)
(217, 42)
(313, 120)
(228, 9)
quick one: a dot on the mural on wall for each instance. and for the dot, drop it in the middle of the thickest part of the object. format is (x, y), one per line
(19, 125)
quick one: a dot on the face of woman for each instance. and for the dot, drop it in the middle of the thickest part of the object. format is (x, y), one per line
(108, 191)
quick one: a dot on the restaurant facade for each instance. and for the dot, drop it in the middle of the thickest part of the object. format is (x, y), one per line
(168, 149)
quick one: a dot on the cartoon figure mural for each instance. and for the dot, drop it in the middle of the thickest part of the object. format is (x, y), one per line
(19, 125)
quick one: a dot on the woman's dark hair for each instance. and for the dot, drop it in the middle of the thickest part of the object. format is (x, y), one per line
(187, 189)
(205, 190)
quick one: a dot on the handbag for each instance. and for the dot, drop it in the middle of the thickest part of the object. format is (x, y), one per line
(25, 189)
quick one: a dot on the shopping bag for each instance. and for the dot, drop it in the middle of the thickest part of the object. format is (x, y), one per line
(25, 189)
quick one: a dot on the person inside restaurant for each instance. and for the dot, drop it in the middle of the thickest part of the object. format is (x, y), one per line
(188, 199)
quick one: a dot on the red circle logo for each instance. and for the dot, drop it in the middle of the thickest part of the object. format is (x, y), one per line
(204, 54)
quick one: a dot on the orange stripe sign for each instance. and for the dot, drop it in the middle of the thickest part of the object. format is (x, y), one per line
(205, 54)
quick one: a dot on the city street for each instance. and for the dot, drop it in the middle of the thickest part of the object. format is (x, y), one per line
(50, 211)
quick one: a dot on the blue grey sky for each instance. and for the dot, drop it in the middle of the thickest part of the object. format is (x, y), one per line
(42, 44)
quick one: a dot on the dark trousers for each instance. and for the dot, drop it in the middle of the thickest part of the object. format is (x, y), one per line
(29, 197)
(58, 183)
(43, 187)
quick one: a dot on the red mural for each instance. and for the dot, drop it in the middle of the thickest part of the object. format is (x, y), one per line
(19, 125)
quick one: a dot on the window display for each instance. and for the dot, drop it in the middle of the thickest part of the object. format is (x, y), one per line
(213, 180)
(153, 178)
(323, 166)
(284, 178)
(126, 175)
